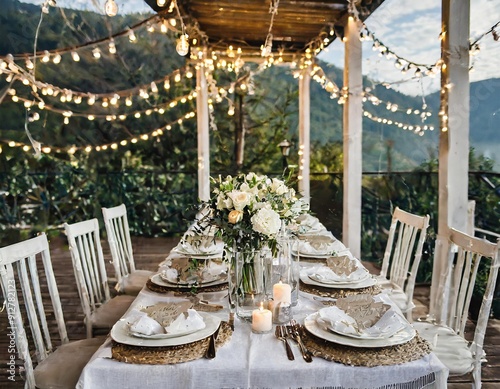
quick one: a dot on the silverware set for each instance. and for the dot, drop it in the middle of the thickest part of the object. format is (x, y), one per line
(292, 331)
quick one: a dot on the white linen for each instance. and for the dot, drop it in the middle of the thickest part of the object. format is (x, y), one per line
(324, 274)
(141, 323)
(255, 361)
(308, 224)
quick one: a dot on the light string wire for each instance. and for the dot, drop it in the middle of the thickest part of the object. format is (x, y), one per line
(267, 47)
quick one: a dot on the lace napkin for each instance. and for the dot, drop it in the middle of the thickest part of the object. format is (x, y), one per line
(308, 224)
(165, 318)
(182, 271)
(323, 244)
(355, 316)
(327, 275)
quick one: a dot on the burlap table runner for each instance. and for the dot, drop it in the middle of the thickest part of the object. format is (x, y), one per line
(170, 354)
(338, 293)
(187, 290)
(366, 356)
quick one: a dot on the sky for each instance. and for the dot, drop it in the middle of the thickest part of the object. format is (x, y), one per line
(409, 28)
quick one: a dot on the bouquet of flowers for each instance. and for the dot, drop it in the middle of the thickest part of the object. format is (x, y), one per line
(249, 209)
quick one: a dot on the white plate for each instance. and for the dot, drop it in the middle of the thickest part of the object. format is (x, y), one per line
(161, 336)
(322, 281)
(403, 336)
(213, 278)
(365, 283)
(121, 334)
(158, 280)
(304, 255)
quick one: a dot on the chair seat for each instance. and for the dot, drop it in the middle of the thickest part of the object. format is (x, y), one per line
(108, 314)
(396, 293)
(62, 368)
(451, 349)
(135, 281)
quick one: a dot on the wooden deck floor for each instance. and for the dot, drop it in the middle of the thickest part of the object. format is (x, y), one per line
(148, 253)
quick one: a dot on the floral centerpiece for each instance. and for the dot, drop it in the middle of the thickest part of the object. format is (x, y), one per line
(248, 211)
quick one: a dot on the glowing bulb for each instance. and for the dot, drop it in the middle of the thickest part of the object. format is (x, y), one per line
(91, 100)
(161, 3)
(57, 59)
(172, 22)
(166, 84)
(96, 53)
(46, 56)
(177, 77)
(128, 101)
(154, 88)
(111, 8)
(131, 36)
(75, 56)
(29, 64)
(182, 46)
(112, 47)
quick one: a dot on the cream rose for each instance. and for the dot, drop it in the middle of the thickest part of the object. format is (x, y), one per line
(235, 216)
(240, 199)
(266, 221)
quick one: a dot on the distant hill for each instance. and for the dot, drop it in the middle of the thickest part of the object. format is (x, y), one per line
(153, 56)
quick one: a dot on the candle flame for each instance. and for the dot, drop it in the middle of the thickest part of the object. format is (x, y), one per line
(261, 305)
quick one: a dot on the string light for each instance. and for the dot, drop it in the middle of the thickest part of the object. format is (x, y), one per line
(111, 8)
(113, 145)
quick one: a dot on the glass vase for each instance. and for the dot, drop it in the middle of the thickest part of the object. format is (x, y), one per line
(247, 281)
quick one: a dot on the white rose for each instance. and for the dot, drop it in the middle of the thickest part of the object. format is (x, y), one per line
(278, 187)
(266, 221)
(223, 202)
(240, 199)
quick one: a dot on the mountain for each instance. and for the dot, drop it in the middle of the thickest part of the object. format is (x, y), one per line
(273, 114)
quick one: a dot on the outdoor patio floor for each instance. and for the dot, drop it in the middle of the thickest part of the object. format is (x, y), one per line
(148, 252)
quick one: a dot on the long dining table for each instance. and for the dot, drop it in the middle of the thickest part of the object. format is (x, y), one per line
(248, 359)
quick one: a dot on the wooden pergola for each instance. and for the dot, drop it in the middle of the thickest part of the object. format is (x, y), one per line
(298, 29)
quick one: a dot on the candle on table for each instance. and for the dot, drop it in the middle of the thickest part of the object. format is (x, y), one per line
(262, 319)
(282, 293)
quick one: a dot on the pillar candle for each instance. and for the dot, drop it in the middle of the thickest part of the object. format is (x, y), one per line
(262, 319)
(282, 293)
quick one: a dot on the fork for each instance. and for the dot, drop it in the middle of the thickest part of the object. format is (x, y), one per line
(281, 333)
(293, 330)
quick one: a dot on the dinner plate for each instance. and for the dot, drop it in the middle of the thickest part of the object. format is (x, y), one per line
(158, 280)
(121, 333)
(404, 335)
(365, 283)
(208, 279)
(318, 278)
(162, 336)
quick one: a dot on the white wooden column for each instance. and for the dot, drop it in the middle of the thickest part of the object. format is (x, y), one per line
(304, 134)
(203, 134)
(353, 118)
(454, 134)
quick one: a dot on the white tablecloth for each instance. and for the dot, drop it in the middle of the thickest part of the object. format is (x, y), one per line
(256, 361)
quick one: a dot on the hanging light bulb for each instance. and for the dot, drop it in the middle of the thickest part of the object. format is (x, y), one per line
(96, 53)
(75, 56)
(57, 58)
(112, 47)
(111, 8)
(182, 46)
(161, 3)
(131, 36)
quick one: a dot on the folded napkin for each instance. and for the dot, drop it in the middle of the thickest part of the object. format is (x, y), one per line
(177, 272)
(375, 321)
(205, 245)
(326, 275)
(308, 224)
(322, 244)
(169, 319)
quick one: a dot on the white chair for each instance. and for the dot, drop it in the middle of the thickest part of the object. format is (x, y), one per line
(129, 280)
(396, 276)
(101, 311)
(455, 292)
(20, 276)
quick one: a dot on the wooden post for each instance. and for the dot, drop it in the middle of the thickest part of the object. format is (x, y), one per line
(353, 118)
(203, 134)
(454, 134)
(304, 134)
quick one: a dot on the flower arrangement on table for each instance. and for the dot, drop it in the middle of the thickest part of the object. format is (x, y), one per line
(248, 209)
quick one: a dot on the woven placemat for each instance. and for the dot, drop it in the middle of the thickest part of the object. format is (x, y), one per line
(365, 356)
(338, 293)
(185, 290)
(171, 354)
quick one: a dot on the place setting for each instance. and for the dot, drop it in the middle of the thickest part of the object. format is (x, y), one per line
(362, 330)
(188, 274)
(317, 247)
(167, 332)
(337, 276)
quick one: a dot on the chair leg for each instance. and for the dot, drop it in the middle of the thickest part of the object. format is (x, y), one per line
(476, 376)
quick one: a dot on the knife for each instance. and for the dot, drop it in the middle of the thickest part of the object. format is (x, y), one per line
(210, 354)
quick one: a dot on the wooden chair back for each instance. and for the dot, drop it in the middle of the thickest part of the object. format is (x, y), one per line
(120, 244)
(20, 281)
(407, 235)
(89, 267)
